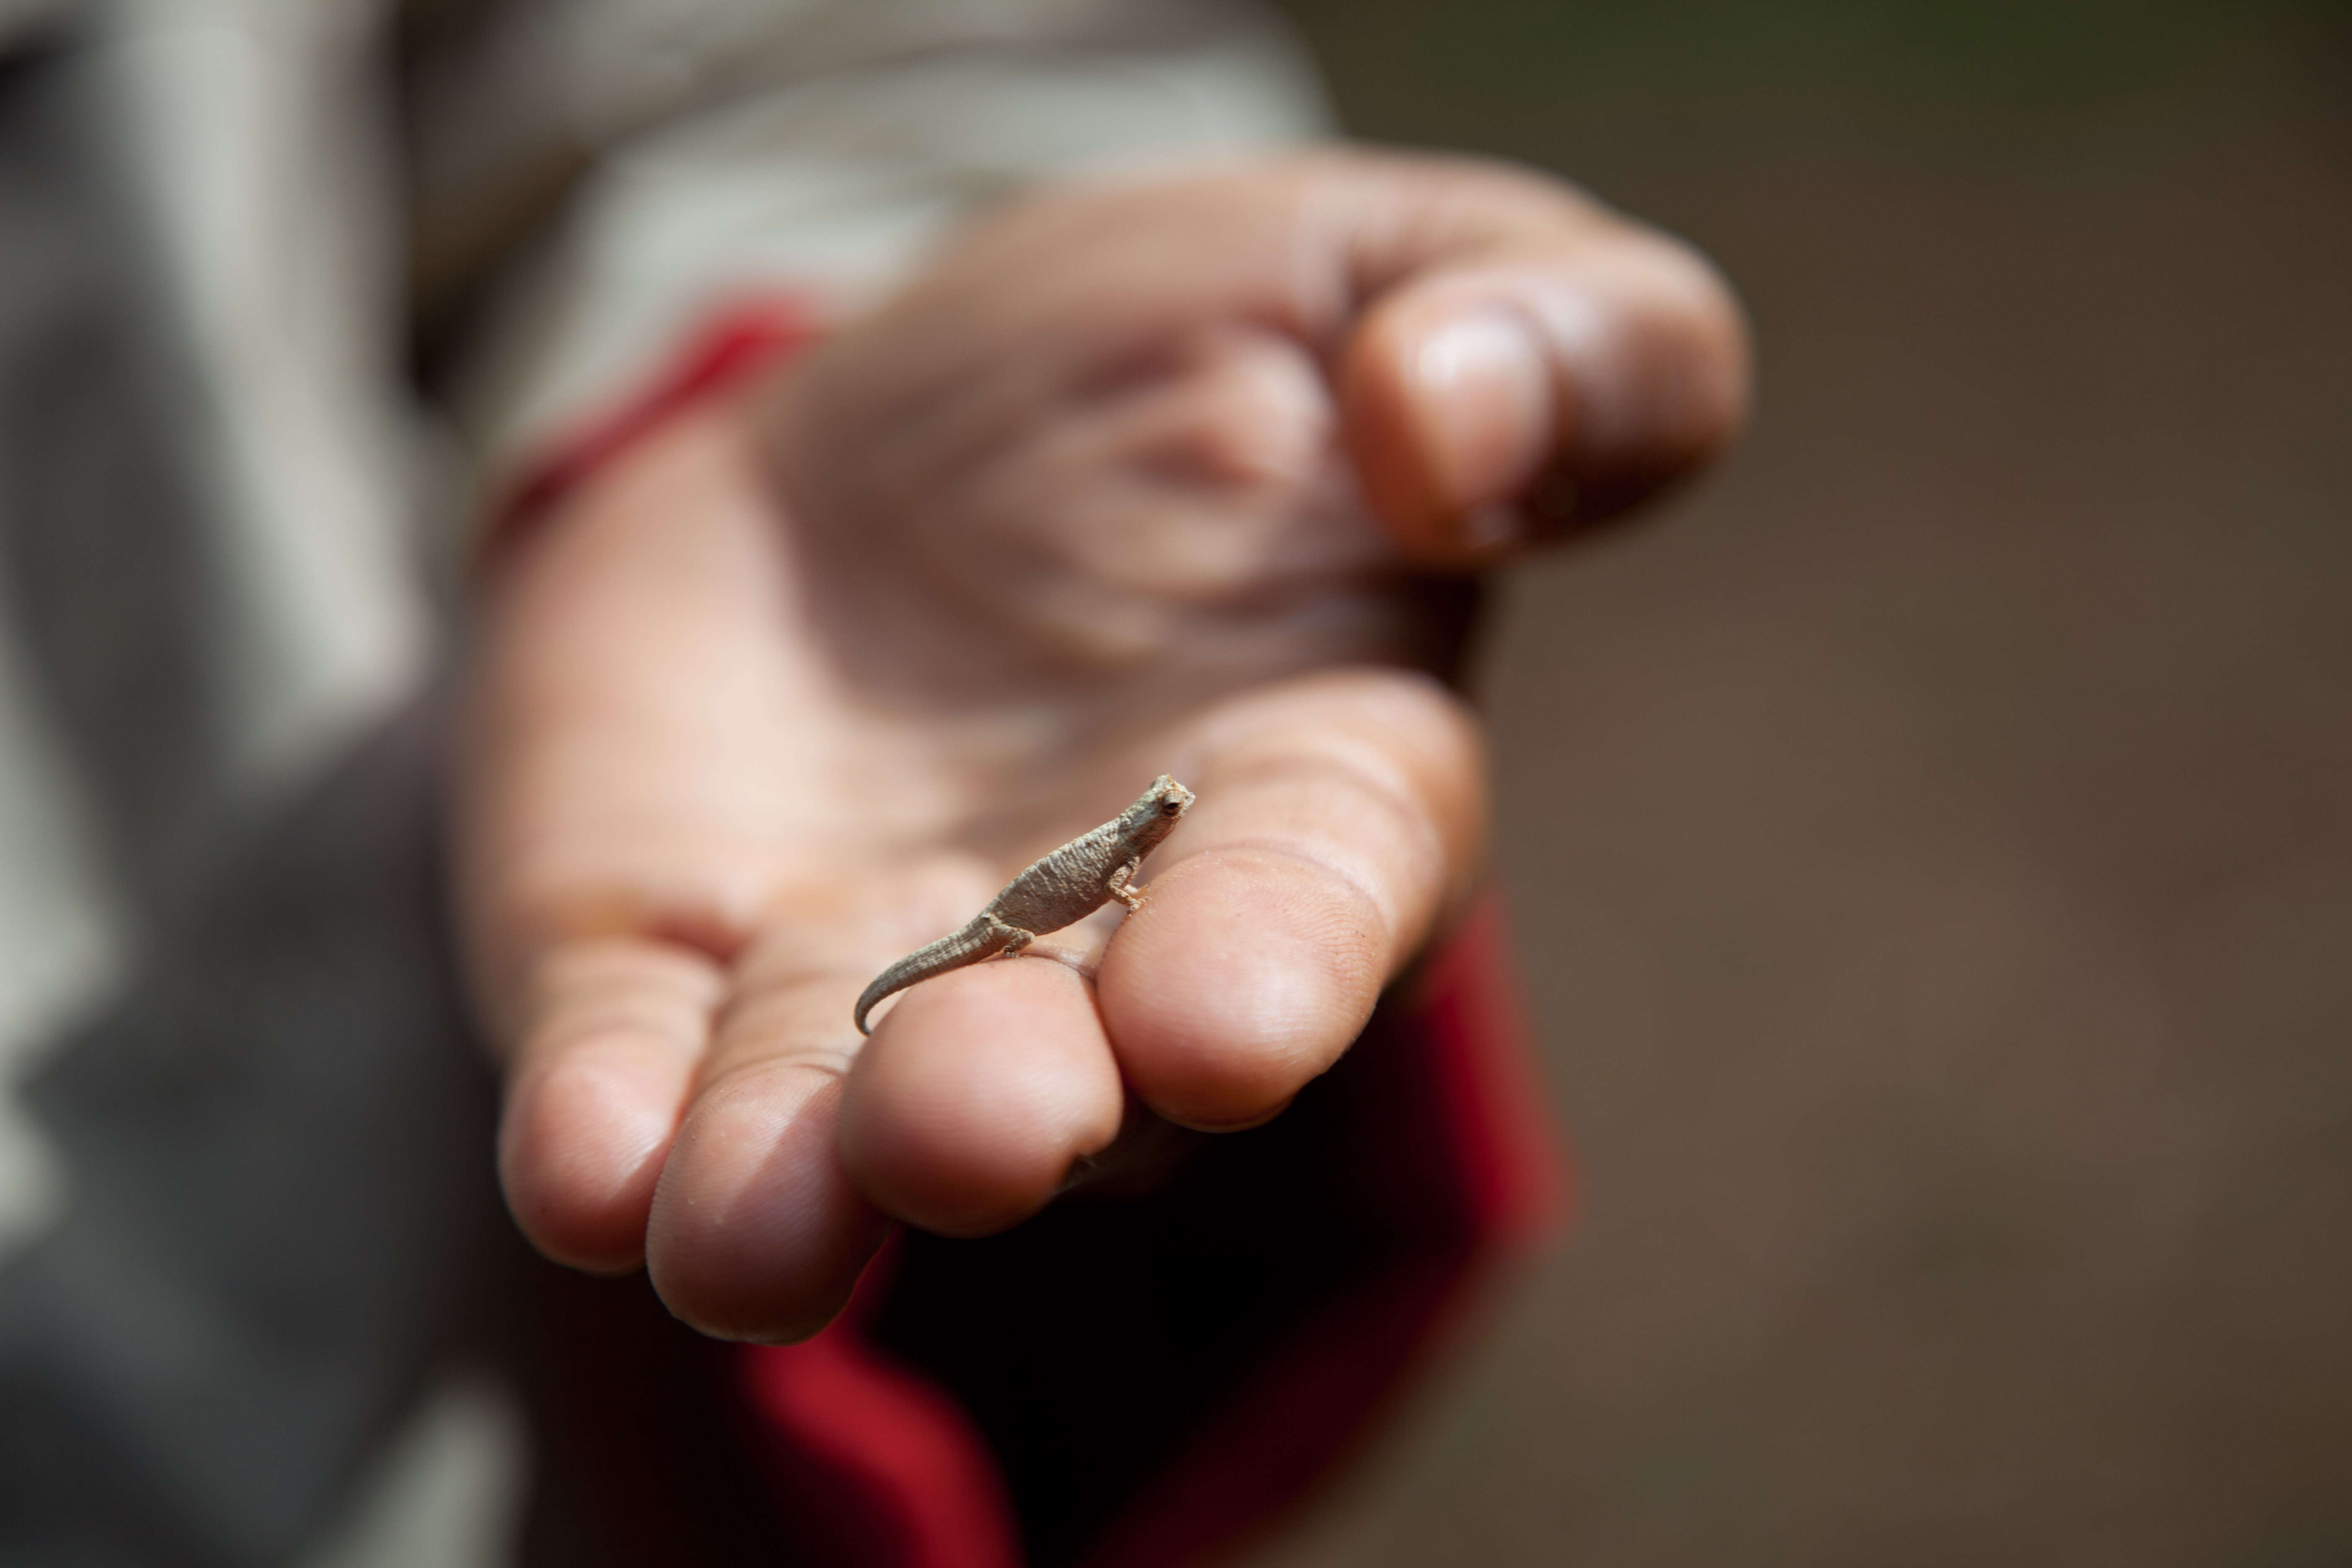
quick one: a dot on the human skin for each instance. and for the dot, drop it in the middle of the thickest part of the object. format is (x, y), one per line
(1187, 473)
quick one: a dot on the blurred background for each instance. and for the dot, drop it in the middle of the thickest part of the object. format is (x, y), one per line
(1929, 841)
(1931, 844)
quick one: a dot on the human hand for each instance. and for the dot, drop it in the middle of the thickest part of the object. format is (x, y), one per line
(1180, 474)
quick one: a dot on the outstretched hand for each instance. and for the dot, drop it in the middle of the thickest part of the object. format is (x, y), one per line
(1176, 474)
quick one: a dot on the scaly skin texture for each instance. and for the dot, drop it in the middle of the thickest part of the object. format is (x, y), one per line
(1059, 890)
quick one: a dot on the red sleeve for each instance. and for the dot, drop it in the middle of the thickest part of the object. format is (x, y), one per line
(1119, 1382)
(731, 346)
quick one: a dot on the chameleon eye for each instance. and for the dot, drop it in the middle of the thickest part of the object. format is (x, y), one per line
(1169, 807)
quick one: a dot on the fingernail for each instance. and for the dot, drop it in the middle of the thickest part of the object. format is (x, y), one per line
(1485, 391)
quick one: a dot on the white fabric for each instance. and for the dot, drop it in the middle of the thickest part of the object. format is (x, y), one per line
(60, 946)
(246, 171)
(829, 185)
(248, 154)
(730, 146)
(446, 1491)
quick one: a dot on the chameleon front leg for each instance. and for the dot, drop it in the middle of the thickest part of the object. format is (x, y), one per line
(1121, 884)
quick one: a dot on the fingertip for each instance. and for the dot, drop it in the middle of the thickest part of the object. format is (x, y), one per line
(1248, 972)
(594, 1092)
(581, 1145)
(756, 1232)
(977, 1094)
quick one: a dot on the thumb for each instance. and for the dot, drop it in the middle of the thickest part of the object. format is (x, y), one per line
(1526, 374)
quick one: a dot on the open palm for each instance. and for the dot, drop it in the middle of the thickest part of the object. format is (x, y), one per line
(1178, 474)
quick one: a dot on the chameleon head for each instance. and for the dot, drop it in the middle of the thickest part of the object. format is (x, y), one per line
(1154, 817)
(1167, 797)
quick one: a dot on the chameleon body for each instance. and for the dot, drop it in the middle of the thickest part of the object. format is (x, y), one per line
(1058, 890)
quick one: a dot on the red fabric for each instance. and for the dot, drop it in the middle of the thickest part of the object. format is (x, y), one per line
(1322, 1389)
(881, 1463)
(730, 345)
(1463, 1141)
(1036, 1397)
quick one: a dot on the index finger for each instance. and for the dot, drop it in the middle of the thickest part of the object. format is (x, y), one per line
(1339, 817)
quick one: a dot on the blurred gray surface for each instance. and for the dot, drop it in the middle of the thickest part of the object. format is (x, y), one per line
(268, 1136)
(1931, 846)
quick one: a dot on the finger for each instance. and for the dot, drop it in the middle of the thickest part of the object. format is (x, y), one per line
(978, 1094)
(1497, 341)
(757, 1231)
(1214, 484)
(612, 1032)
(1338, 818)
(1528, 364)
(1214, 479)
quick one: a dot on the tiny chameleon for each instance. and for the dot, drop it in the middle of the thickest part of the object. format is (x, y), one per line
(1060, 888)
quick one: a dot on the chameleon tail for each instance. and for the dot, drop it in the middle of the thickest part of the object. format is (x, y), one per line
(977, 940)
